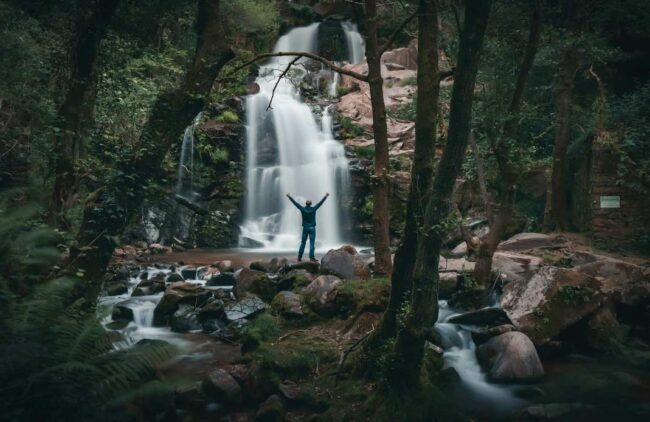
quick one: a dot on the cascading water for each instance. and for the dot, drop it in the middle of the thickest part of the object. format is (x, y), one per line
(185, 181)
(288, 151)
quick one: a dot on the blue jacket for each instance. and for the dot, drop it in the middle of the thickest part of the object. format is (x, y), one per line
(308, 212)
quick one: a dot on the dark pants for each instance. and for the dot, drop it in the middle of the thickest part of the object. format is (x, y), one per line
(311, 232)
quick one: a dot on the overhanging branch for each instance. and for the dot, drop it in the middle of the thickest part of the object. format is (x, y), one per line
(385, 46)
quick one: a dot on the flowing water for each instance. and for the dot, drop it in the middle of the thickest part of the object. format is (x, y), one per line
(185, 180)
(306, 160)
(460, 353)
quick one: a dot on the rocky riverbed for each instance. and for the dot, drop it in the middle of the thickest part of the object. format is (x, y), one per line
(261, 336)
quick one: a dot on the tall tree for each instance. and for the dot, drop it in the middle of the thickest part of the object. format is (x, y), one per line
(109, 209)
(77, 108)
(421, 171)
(380, 182)
(423, 310)
(500, 207)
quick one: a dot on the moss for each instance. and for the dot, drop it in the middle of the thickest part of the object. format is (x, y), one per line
(409, 81)
(349, 129)
(263, 328)
(371, 295)
(575, 295)
(228, 117)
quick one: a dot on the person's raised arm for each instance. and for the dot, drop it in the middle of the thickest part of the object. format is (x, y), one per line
(294, 202)
(322, 200)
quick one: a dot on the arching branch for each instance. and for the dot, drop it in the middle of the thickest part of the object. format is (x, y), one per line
(282, 75)
(298, 55)
(385, 46)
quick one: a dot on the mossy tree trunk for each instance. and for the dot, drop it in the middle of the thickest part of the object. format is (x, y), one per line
(423, 309)
(75, 113)
(110, 209)
(380, 182)
(421, 172)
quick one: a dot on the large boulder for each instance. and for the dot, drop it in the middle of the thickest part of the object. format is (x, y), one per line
(288, 304)
(512, 266)
(311, 266)
(149, 287)
(551, 301)
(457, 265)
(447, 284)
(510, 357)
(185, 319)
(490, 317)
(346, 263)
(295, 278)
(624, 282)
(526, 241)
(321, 295)
(273, 266)
(220, 386)
(176, 294)
(256, 282)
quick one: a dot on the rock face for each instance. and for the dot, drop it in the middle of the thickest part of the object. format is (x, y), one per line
(287, 304)
(552, 300)
(346, 263)
(626, 283)
(256, 282)
(176, 294)
(510, 357)
(513, 266)
(321, 294)
(526, 241)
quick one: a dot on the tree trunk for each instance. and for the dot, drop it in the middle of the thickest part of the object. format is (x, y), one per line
(409, 348)
(556, 214)
(421, 172)
(500, 213)
(109, 210)
(77, 109)
(380, 185)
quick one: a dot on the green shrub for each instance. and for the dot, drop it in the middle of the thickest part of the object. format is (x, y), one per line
(227, 117)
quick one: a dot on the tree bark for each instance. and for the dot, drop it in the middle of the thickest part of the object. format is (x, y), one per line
(75, 113)
(556, 213)
(409, 348)
(381, 179)
(500, 212)
(428, 84)
(110, 209)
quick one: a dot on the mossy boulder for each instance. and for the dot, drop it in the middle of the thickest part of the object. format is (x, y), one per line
(256, 282)
(176, 294)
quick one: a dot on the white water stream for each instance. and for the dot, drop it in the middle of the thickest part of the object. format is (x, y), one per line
(310, 162)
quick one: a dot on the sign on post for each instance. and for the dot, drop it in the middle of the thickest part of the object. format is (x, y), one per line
(610, 202)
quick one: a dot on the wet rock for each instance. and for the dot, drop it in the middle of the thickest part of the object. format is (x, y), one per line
(512, 266)
(272, 410)
(472, 299)
(273, 266)
(295, 278)
(176, 294)
(247, 242)
(185, 319)
(174, 277)
(551, 301)
(510, 357)
(256, 282)
(220, 386)
(287, 304)
(123, 311)
(322, 295)
(116, 289)
(312, 267)
(491, 317)
(215, 326)
(526, 241)
(450, 375)
(245, 307)
(225, 266)
(213, 309)
(148, 287)
(157, 249)
(193, 273)
(482, 335)
(346, 263)
(222, 279)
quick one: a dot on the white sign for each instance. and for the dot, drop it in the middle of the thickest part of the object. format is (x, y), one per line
(610, 202)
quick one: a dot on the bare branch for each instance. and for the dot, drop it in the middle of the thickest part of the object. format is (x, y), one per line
(300, 54)
(282, 75)
(385, 46)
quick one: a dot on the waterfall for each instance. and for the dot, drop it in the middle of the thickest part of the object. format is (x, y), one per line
(355, 43)
(185, 181)
(291, 149)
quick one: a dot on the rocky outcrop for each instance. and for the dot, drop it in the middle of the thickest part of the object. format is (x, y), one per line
(526, 241)
(346, 263)
(552, 300)
(510, 357)
(626, 283)
(512, 266)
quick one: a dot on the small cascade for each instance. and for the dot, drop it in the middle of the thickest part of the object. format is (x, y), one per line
(355, 43)
(305, 159)
(460, 354)
(185, 181)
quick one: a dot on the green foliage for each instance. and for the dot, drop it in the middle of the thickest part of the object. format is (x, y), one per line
(263, 328)
(227, 117)
(349, 129)
(257, 20)
(406, 111)
(575, 295)
(410, 81)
